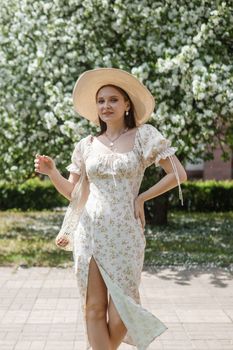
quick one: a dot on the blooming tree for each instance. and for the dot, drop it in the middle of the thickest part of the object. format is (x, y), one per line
(181, 50)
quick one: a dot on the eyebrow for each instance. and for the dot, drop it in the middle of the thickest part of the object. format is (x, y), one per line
(109, 96)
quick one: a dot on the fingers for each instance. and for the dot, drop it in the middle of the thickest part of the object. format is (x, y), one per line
(142, 219)
(45, 158)
(63, 241)
(38, 159)
(41, 156)
(136, 209)
(139, 214)
(36, 163)
(135, 213)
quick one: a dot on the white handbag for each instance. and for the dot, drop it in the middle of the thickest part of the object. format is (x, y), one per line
(74, 210)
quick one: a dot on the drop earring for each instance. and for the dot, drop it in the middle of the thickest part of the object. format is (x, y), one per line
(127, 112)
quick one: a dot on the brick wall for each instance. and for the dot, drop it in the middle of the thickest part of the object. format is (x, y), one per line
(218, 169)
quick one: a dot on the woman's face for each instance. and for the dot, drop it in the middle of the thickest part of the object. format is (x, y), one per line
(111, 105)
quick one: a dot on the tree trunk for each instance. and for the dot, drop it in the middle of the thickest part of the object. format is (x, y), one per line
(156, 210)
(161, 210)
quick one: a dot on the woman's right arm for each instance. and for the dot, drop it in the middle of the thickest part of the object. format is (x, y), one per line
(46, 165)
(64, 186)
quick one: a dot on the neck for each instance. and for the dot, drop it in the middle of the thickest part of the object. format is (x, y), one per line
(115, 129)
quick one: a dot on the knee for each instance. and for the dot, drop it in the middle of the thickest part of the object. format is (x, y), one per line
(96, 311)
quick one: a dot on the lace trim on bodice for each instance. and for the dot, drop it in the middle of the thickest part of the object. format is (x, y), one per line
(113, 155)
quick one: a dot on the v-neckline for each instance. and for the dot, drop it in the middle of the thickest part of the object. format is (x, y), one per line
(114, 152)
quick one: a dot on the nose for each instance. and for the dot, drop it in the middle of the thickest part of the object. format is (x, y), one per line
(106, 104)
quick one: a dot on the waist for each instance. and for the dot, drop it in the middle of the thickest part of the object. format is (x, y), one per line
(106, 203)
(111, 193)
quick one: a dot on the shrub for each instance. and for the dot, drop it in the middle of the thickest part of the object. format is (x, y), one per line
(36, 194)
(33, 194)
(209, 195)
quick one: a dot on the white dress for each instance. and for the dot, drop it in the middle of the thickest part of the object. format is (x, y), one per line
(108, 230)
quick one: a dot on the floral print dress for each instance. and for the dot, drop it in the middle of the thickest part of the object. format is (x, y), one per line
(108, 231)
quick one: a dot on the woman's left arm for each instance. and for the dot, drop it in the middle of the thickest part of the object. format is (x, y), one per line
(168, 182)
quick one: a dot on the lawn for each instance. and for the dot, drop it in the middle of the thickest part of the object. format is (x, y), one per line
(190, 239)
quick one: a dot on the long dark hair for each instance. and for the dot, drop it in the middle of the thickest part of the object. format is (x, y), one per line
(130, 121)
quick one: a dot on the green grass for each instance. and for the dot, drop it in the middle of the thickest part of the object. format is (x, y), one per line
(190, 239)
(28, 238)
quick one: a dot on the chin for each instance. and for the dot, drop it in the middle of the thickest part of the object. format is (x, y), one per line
(107, 119)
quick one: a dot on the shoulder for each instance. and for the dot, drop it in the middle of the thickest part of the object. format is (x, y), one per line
(82, 143)
(147, 128)
(148, 131)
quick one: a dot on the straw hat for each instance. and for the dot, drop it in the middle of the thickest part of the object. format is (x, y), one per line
(89, 82)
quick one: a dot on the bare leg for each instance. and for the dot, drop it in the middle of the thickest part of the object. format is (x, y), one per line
(96, 309)
(117, 329)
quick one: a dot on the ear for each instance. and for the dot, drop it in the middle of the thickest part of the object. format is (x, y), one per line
(127, 104)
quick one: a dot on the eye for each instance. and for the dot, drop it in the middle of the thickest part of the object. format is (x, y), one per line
(113, 99)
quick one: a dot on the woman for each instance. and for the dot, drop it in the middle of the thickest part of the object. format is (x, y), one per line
(109, 241)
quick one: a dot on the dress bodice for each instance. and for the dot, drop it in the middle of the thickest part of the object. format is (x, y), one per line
(122, 172)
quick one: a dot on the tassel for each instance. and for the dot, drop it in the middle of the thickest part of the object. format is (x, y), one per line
(177, 178)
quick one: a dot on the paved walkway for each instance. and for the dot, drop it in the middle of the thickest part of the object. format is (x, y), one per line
(39, 309)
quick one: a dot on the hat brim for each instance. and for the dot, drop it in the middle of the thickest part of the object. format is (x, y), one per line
(84, 93)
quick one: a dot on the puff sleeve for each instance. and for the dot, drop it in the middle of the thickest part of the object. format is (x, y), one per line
(76, 160)
(155, 146)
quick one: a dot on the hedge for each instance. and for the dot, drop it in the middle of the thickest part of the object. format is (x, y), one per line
(33, 194)
(36, 194)
(209, 195)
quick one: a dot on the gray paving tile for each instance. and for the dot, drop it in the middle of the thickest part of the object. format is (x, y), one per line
(39, 309)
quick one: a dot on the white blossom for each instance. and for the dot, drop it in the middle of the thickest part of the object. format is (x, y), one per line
(176, 49)
(50, 120)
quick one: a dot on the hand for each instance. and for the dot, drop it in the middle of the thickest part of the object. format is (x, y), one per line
(139, 210)
(44, 164)
(62, 241)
